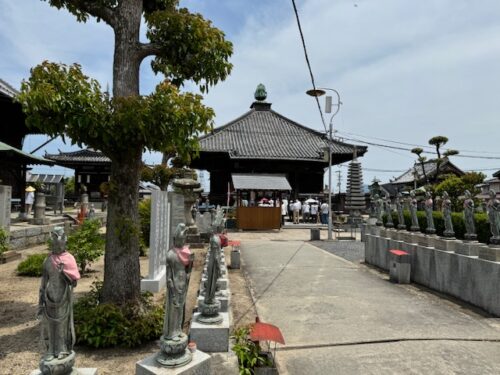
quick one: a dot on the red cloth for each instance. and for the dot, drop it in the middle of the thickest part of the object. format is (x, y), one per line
(69, 264)
(223, 240)
(183, 254)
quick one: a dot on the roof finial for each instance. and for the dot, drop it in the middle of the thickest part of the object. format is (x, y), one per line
(260, 92)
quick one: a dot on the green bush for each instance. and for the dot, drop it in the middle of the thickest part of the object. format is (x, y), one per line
(145, 220)
(32, 265)
(4, 244)
(481, 220)
(86, 243)
(106, 325)
(247, 351)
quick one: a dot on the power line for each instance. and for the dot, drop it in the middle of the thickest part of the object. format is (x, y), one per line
(427, 152)
(308, 62)
(413, 144)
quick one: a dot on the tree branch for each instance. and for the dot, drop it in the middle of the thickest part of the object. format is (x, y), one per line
(148, 49)
(95, 9)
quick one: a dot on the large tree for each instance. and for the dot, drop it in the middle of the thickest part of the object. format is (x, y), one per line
(60, 100)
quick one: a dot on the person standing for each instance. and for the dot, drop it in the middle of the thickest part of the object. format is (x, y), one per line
(314, 212)
(296, 211)
(29, 199)
(325, 211)
(306, 211)
(284, 208)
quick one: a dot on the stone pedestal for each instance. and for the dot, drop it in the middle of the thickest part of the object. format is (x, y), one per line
(469, 248)
(200, 364)
(224, 302)
(39, 218)
(445, 244)
(211, 338)
(235, 259)
(491, 253)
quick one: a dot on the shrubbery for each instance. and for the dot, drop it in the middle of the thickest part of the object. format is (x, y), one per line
(4, 244)
(32, 265)
(145, 222)
(481, 220)
(248, 352)
(106, 325)
(86, 243)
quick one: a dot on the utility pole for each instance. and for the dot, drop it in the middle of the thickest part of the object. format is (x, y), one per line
(339, 176)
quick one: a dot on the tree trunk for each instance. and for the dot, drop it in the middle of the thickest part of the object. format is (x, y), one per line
(121, 261)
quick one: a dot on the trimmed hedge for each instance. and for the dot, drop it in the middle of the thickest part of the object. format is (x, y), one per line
(457, 218)
(32, 265)
(106, 325)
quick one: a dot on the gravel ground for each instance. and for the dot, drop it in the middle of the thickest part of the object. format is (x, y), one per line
(353, 251)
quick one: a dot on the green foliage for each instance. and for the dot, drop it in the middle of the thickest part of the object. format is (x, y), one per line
(86, 243)
(456, 186)
(145, 220)
(4, 238)
(198, 51)
(69, 185)
(107, 325)
(160, 175)
(32, 265)
(247, 351)
(481, 220)
(60, 100)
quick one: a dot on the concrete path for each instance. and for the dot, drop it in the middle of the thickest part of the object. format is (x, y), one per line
(338, 317)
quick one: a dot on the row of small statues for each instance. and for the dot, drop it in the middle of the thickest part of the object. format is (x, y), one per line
(383, 206)
(60, 275)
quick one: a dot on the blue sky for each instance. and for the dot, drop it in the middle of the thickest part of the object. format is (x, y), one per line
(406, 70)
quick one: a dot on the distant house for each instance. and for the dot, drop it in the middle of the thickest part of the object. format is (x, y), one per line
(487, 185)
(415, 176)
(92, 168)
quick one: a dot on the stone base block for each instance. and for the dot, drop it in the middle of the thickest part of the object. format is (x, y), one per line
(469, 248)
(76, 371)
(156, 284)
(235, 259)
(211, 338)
(490, 253)
(40, 221)
(400, 272)
(444, 244)
(199, 365)
(9, 256)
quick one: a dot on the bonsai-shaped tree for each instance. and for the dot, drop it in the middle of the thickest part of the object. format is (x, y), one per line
(439, 141)
(421, 159)
(59, 99)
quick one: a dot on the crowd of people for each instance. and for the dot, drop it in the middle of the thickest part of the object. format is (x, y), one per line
(308, 211)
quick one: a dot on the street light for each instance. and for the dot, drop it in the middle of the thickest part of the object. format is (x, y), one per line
(328, 109)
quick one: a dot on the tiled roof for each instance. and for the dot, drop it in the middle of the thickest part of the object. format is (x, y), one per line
(262, 133)
(7, 89)
(496, 174)
(430, 169)
(88, 156)
(254, 181)
(9, 153)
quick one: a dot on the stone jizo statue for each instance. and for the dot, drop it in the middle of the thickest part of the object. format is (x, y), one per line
(173, 342)
(388, 212)
(493, 208)
(379, 209)
(400, 208)
(446, 210)
(413, 211)
(429, 208)
(55, 306)
(210, 306)
(470, 227)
